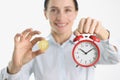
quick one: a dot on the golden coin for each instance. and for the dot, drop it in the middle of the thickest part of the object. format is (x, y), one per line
(43, 45)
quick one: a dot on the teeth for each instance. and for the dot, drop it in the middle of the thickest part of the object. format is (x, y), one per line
(61, 25)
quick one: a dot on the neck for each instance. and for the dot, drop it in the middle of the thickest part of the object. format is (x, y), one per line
(61, 38)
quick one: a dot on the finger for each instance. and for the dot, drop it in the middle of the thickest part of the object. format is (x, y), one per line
(93, 25)
(17, 37)
(36, 53)
(98, 28)
(31, 34)
(76, 32)
(87, 25)
(35, 40)
(81, 25)
(25, 32)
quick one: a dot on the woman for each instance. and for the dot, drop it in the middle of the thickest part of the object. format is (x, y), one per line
(56, 62)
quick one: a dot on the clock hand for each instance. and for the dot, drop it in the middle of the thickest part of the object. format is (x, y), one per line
(89, 50)
(83, 51)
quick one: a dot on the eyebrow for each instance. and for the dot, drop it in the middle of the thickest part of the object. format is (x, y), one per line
(53, 7)
(64, 7)
(68, 7)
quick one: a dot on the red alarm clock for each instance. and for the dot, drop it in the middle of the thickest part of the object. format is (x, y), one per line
(86, 52)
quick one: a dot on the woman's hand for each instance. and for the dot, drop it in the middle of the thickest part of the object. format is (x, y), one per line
(23, 44)
(92, 26)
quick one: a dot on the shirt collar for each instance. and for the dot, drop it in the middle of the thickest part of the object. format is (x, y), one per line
(51, 39)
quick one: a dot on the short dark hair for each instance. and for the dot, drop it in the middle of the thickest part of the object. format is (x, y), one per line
(47, 1)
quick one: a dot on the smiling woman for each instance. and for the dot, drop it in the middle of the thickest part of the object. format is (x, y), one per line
(56, 62)
(61, 18)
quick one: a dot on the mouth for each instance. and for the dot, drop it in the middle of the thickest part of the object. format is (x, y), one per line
(61, 25)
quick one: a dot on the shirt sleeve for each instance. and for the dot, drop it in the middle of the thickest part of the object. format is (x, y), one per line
(23, 74)
(110, 51)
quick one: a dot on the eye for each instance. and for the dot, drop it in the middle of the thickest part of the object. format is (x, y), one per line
(53, 10)
(68, 10)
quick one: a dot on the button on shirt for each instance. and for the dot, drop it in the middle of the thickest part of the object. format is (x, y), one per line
(57, 63)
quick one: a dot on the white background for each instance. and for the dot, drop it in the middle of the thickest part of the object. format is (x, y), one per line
(17, 15)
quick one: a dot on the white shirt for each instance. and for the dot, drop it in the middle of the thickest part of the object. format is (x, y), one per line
(57, 63)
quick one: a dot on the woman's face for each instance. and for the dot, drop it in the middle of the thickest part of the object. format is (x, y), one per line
(61, 15)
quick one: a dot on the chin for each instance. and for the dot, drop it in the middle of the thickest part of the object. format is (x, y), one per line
(63, 32)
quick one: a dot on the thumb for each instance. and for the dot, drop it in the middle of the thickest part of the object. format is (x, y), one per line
(36, 53)
(76, 32)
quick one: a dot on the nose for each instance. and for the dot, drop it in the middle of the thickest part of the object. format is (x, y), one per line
(60, 16)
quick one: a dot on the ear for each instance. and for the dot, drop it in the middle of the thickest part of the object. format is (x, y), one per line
(45, 14)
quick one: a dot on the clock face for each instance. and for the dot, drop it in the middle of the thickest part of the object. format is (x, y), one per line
(86, 53)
